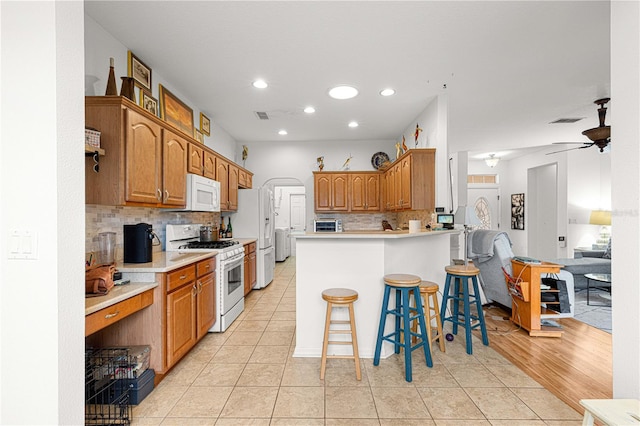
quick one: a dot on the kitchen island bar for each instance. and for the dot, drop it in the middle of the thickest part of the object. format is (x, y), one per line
(359, 261)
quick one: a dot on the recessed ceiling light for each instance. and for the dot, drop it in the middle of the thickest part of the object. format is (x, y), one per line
(387, 92)
(343, 92)
(309, 110)
(353, 124)
(260, 84)
(282, 132)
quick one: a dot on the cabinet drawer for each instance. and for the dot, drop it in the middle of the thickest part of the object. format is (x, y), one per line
(180, 277)
(205, 266)
(112, 314)
(249, 248)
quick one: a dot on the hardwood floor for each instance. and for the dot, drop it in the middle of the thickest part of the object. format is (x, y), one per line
(576, 366)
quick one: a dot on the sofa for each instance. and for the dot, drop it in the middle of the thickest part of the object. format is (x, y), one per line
(585, 262)
(490, 252)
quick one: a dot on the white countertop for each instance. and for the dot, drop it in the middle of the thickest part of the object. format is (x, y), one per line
(165, 261)
(374, 234)
(116, 294)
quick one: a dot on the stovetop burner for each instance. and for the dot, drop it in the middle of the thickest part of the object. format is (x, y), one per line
(208, 245)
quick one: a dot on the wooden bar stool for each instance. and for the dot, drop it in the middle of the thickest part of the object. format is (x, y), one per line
(341, 297)
(403, 284)
(460, 294)
(429, 296)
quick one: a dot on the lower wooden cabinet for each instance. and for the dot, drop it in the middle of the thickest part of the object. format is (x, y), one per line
(182, 312)
(250, 267)
(181, 319)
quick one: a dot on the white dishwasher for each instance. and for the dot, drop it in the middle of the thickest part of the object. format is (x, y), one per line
(283, 246)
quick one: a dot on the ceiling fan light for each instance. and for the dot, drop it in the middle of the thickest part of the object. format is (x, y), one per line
(492, 161)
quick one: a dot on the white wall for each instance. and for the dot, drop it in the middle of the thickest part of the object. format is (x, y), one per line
(434, 124)
(282, 206)
(42, 188)
(100, 46)
(625, 197)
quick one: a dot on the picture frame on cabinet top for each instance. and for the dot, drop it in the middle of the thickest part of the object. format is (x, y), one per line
(175, 112)
(197, 135)
(205, 124)
(148, 102)
(140, 72)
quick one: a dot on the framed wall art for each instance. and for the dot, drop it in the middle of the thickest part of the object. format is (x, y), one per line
(205, 124)
(148, 102)
(517, 211)
(139, 71)
(197, 135)
(175, 112)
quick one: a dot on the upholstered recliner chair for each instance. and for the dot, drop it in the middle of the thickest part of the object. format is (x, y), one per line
(490, 252)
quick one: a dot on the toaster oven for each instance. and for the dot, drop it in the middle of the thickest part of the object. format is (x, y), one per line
(327, 225)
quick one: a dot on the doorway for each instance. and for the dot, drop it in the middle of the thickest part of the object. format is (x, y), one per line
(290, 210)
(541, 212)
(486, 201)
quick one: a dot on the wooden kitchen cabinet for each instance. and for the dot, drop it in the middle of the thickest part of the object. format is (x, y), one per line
(181, 319)
(145, 163)
(227, 175)
(410, 181)
(201, 161)
(331, 191)
(250, 267)
(365, 192)
(245, 179)
(191, 307)
(178, 313)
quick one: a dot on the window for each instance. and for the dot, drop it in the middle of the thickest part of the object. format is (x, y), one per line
(483, 212)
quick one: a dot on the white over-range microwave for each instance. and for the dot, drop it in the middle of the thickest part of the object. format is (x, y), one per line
(203, 194)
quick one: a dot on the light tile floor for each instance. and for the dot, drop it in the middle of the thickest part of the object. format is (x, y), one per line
(247, 376)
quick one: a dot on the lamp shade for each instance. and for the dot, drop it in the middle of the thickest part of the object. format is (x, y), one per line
(466, 215)
(600, 217)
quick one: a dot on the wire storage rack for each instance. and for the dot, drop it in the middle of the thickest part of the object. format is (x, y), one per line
(106, 393)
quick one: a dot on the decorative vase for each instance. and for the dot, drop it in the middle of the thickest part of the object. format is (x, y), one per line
(112, 90)
(128, 89)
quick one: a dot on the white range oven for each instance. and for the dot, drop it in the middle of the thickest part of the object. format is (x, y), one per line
(229, 269)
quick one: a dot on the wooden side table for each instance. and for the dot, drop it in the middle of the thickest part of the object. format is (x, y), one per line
(611, 411)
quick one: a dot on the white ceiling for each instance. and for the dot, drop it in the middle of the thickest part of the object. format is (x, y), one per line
(510, 68)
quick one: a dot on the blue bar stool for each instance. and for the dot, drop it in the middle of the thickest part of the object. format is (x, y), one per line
(403, 284)
(460, 293)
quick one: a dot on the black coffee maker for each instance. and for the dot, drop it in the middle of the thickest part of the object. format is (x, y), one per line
(138, 241)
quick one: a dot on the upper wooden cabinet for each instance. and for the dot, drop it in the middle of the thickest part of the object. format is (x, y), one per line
(410, 181)
(408, 184)
(365, 192)
(331, 191)
(144, 163)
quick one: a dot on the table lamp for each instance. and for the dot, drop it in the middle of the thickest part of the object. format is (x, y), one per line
(602, 218)
(466, 215)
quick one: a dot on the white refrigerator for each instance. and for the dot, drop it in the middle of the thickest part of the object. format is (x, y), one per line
(255, 218)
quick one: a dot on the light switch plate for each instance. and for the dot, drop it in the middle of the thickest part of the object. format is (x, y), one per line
(23, 244)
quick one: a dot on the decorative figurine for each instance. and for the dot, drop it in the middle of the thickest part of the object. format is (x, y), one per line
(398, 150)
(345, 166)
(416, 134)
(404, 145)
(320, 161)
(245, 154)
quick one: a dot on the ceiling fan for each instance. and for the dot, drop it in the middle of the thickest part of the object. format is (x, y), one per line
(600, 136)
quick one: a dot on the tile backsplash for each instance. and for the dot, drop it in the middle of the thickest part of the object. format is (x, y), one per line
(373, 221)
(111, 218)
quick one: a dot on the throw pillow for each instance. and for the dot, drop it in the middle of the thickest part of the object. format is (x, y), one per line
(607, 252)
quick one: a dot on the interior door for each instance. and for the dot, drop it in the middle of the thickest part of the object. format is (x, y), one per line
(297, 213)
(487, 204)
(541, 212)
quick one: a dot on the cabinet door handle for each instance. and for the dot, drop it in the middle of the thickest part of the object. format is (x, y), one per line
(166, 195)
(194, 290)
(158, 194)
(199, 287)
(108, 316)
